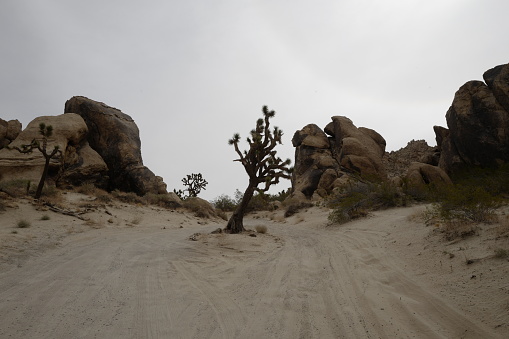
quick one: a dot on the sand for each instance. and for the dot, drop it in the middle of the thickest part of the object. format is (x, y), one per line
(133, 272)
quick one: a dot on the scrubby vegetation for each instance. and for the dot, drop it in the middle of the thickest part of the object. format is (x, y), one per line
(474, 197)
(355, 200)
(259, 202)
(261, 229)
(23, 224)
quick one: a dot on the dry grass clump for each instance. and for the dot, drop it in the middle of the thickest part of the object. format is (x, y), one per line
(45, 217)
(88, 189)
(294, 207)
(136, 220)
(23, 224)
(16, 188)
(201, 208)
(128, 197)
(501, 253)
(168, 200)
(261, 229)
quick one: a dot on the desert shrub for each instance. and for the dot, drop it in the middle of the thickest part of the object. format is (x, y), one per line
(88, 189)
(23, 223)
(294, 207)
(201, 208)
(16, 188)
(224, 203)
(45, 217)
(102, 196)
(259, 202)
(261, 229)
(281, 196)
(222, 214)
(127, 197)
(162, 200)
(136, 220)
(501, 253)
(50, 191)
(356, 199)
(494, 180)
(466, 202)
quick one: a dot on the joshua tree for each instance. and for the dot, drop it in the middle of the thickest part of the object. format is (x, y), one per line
(46, 132)
(195, 183)
(261, 164)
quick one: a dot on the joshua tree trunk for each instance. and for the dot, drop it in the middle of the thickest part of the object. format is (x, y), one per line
(38, 193)
(236, 223)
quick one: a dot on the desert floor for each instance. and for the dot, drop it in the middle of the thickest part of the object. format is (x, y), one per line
(133, 272)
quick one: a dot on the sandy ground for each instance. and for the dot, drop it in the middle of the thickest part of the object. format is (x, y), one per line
(133, 272)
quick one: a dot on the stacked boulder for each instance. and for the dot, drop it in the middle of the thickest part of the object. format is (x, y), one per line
(478, 124)
(327, 159)
(9, 130)
(98, 144)
(115, 136)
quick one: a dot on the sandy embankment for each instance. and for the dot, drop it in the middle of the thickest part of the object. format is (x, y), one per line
(133, 273)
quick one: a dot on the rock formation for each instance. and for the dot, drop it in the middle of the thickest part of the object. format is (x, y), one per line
(9, 130)
(69, 134)
(115, 136)
(478, 124)
(420, 174)
(398, 162)
(99, 145)
(324, 162)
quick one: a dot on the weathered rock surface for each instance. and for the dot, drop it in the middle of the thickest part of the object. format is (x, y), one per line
(398, 162)
(420, 174)
(478, 124)
(323, 162)
(69, 132)
(9, 130)
(115, 136)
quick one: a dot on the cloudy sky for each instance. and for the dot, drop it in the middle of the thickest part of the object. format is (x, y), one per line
(192, 73)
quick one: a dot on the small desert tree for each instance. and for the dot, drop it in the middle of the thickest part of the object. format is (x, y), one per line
(195, 183)
(46, 132)
(261, 164)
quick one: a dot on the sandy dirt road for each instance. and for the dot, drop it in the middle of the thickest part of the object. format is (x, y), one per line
(301, 280)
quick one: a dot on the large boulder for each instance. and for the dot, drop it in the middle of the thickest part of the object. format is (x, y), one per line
(420, 174)
(478, 124)
(324, 163)
(69, 132)
(115, 136)
(359, 150)
(9, 131)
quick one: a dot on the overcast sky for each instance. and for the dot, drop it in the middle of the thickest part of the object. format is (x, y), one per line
(192, 73)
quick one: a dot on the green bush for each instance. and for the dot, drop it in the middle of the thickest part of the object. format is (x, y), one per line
(224, 203)
(466, 202)
(355, 200)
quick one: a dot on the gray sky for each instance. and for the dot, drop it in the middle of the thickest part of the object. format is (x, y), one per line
(192, 73)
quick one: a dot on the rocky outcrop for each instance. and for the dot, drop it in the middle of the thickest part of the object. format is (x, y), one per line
(327, 159)
(9, 131)
(69, 133)
(420, 174)
(398, 162)
(115, 136)
(478, 124)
